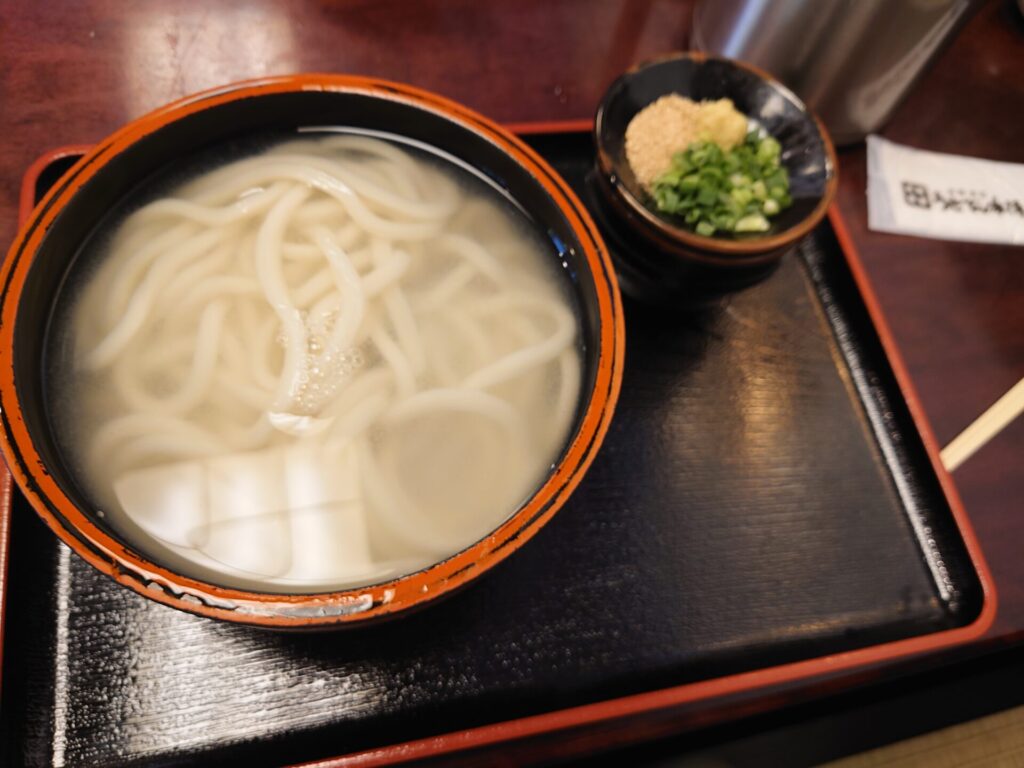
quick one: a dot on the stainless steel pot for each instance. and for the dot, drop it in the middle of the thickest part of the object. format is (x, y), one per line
(851, 61)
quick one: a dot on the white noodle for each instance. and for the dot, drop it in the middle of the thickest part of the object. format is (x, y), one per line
(332, 298)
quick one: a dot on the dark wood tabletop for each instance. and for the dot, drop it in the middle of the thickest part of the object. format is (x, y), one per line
(72, 74)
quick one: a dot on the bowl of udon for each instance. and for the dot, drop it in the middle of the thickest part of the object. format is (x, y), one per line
(305, 352)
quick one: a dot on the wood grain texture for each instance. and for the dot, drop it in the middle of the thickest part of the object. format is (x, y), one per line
(996, 740)
(73, 74)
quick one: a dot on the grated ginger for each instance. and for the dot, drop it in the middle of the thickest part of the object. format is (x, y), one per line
(671, 124)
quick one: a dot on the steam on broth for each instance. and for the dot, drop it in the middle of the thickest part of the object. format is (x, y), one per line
(327, 364)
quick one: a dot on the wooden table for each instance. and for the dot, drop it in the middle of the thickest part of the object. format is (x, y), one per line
(73, 73)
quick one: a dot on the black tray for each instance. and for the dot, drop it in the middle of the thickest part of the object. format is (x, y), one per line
(764, 498)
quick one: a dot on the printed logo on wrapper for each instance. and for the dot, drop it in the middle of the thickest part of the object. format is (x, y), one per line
(950, 197)
(919, 195)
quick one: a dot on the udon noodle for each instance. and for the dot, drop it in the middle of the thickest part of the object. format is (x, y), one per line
(327, 364)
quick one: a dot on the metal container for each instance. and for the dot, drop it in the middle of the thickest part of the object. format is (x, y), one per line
(851, 61)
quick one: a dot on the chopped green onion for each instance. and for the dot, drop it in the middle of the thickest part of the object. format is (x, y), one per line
(713, 190)
(753, 222)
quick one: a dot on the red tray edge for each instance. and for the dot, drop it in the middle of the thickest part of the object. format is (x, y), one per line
(667, 698)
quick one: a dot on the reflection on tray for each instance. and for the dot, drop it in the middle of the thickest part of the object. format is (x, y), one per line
(742, 513)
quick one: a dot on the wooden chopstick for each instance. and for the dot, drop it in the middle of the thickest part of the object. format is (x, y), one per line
(985, 427)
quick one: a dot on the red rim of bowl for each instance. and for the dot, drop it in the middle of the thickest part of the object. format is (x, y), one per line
(343, 607)
(710, 248)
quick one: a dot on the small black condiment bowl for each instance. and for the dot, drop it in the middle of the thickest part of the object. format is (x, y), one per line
(658, 259)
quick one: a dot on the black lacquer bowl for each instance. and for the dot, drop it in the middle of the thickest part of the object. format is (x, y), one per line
(109, 176)
(667, 263)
